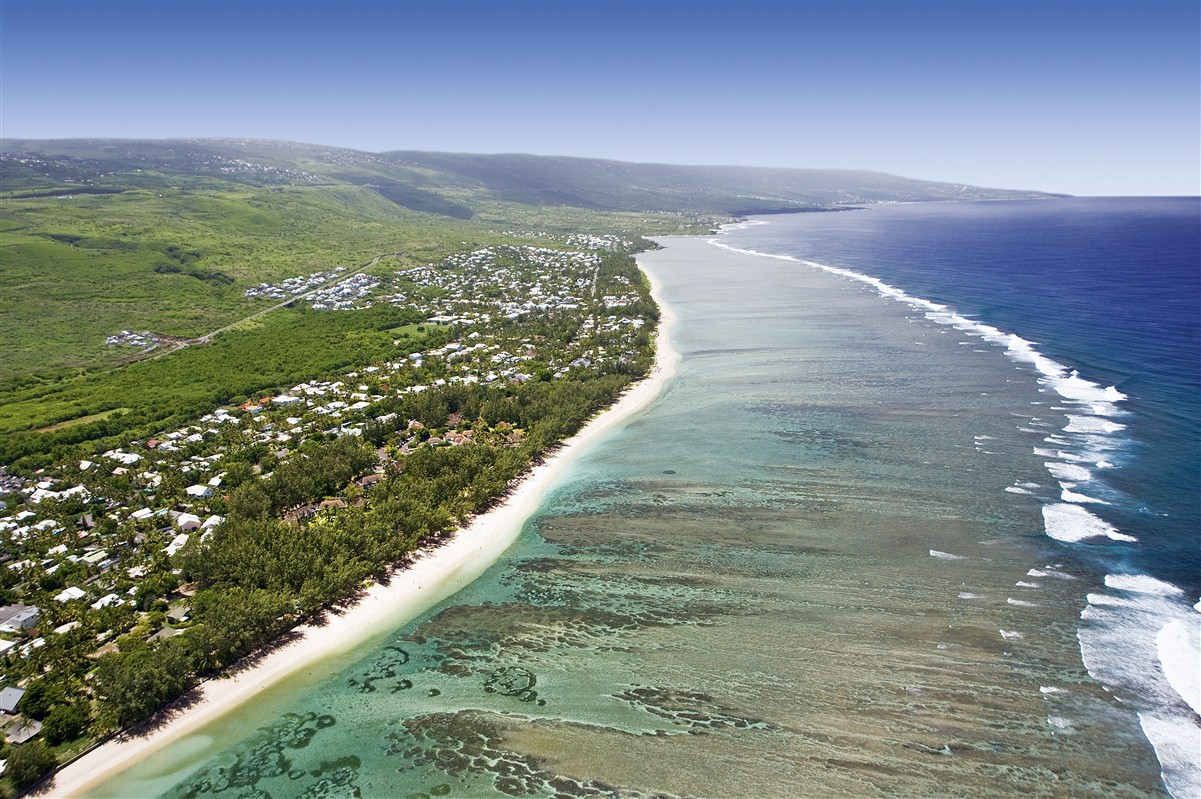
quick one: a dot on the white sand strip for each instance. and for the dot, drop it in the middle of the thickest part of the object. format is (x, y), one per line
(437, 574)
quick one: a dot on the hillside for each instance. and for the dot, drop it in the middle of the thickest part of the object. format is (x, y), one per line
(457, 184)
(618, 185)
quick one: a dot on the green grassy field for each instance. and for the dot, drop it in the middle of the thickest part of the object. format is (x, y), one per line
(178, 263)
(275, 351)
(125, 237)
(77, 270)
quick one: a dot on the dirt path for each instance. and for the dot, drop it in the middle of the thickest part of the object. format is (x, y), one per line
(178, 344)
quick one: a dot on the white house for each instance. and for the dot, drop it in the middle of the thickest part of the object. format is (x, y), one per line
(94, 557)
(177, 543)
(105, 601)
(69, 593)
(199, 490)
(187, 521)
(127, 458)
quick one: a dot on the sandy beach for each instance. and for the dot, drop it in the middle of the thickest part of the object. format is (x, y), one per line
(434, 574)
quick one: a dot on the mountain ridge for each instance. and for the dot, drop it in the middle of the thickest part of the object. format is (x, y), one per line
(456, 184)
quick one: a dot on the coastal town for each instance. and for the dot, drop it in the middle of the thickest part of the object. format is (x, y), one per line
(95, 548)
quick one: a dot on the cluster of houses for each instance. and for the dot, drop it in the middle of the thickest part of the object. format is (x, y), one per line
(292, 286)
(591, 241)
(81, 542)
(142, 339)
(323, 295)
(582, 241)
(345, 294)
(501, 282)
(240, 167)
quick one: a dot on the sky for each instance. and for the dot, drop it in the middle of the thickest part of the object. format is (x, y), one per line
(1091, 97)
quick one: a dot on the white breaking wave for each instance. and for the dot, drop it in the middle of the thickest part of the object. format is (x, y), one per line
(1179, 648)
(934, 553)
(1067, 522)
(1067, 495)
(1142, 584)
(1176, 742)
(1062, 455)
(1091, 424)
(1144, 644)
(1068, 471)
(1048, 571)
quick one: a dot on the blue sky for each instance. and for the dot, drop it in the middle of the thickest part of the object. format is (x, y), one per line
(1082, 97)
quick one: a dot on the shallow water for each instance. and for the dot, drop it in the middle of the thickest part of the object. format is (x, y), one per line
(798, 574)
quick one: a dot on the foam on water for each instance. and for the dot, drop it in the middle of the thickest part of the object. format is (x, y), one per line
(1067, 495)
(1067, 522)
(1068, 471)
(1142, 584)
(1179, 647)
(1049, 572)
(934, 553)
(1091, 424)
(1143, 642)
(1176, 743)
(1062, 455)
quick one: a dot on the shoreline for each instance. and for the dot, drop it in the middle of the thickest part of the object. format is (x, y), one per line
(433, 575)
